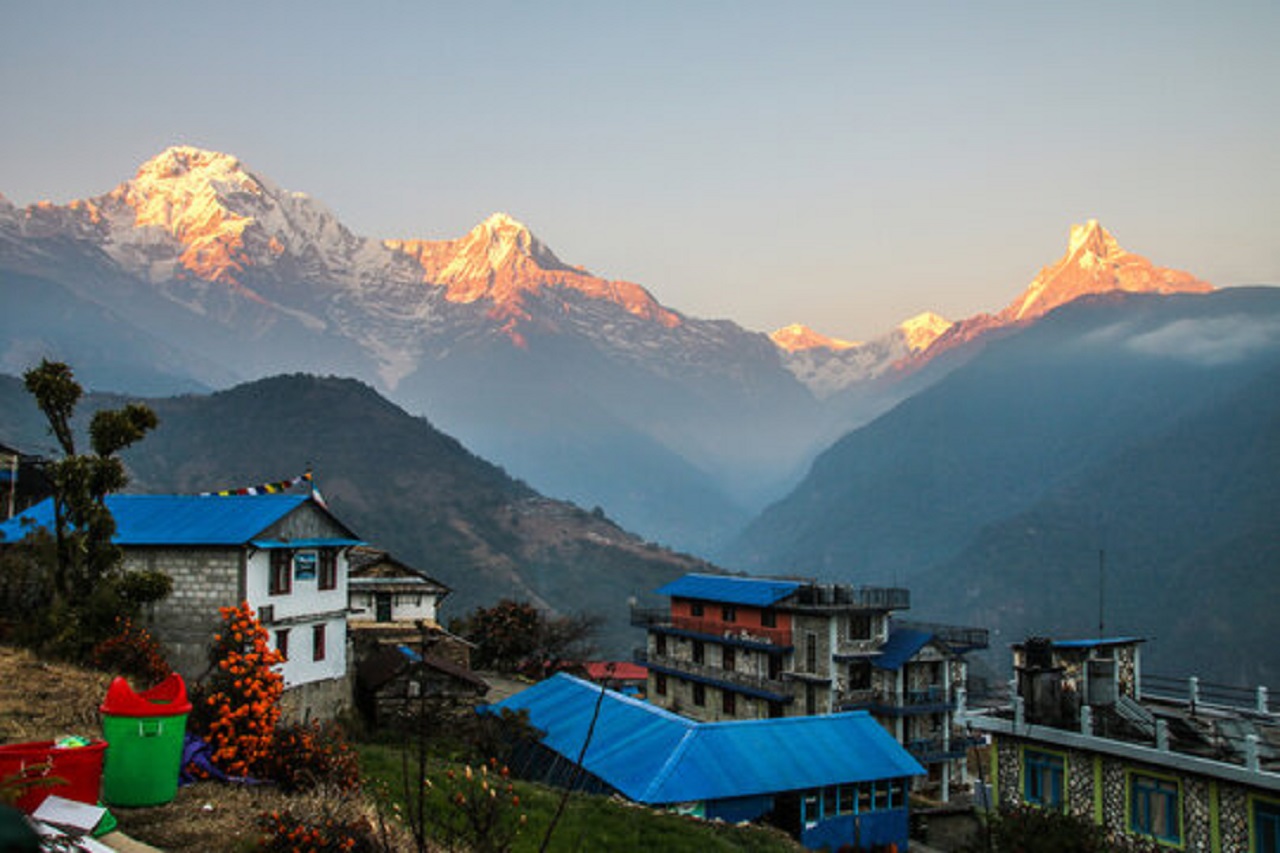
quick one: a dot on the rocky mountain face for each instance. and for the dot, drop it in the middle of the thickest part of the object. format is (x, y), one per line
(585, 387)
(554, 372)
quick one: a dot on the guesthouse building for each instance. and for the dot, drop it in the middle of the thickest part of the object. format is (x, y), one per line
(732, 648)
(285, 555)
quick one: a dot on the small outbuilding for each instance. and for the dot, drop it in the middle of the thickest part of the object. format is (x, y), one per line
(393, 682)
(831, 780)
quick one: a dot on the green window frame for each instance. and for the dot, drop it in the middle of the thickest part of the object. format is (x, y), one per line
(1044, 778)
(1155, 807)
(1264, 825)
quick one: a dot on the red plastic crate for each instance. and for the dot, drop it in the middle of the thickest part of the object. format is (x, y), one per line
(79, 769)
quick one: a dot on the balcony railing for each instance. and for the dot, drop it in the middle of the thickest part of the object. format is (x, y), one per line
(934, 750)
(717, 674)
(826, 596)
(959, 638)
(929, 700)
(733, 631)
(713, 629)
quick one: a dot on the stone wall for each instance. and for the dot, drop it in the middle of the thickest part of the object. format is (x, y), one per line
(204, 579)
(317, 700)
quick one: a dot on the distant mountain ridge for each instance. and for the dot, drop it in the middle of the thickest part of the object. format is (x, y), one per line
(1139, 425)
(1094, 263)
(588, 388)
(400, 483)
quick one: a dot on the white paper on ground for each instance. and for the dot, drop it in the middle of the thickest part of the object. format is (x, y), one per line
(69, 813)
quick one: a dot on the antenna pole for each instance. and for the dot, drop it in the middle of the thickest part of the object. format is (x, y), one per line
(1102, 576)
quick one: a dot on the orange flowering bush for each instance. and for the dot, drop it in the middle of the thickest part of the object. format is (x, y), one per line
(242, 705)
(283, 832)
(131, 651)
(308, 755)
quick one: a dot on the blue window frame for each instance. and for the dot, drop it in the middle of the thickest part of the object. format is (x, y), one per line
(1154, 808)
(1266, 826)
(1043, 775)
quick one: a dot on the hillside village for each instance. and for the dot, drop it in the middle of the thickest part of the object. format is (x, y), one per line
(931, 523)
(813, 708)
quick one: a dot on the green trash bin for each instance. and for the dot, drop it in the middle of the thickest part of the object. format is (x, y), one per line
(144, 734)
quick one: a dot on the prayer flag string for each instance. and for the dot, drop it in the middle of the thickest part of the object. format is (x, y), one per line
(263, 489)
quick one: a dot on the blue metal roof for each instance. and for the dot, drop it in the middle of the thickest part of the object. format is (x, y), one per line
(757, 592)
(901, 646)
(654, 756)
(177, 519)
(1091, 644)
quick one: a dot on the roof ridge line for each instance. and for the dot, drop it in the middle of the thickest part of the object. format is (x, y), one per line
(669, 766)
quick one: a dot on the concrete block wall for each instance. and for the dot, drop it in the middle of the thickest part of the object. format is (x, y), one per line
(203, 581)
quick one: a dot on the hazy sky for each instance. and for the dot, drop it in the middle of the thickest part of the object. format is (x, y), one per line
(842, 164)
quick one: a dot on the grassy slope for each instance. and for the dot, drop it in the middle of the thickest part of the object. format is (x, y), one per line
(595, 822)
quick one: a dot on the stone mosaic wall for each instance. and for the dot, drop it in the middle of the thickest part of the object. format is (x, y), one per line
(1196, 800)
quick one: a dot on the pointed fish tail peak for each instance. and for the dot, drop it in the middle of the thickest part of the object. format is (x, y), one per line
(1094, 239)
(798, 337)
(1095, 263)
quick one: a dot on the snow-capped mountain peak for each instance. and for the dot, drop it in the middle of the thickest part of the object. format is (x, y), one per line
(1095, 263)
(501, 260)
(923, 329)
(1091, 243)
(798, 337)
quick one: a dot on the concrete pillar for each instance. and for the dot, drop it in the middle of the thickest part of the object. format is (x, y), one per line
(1251, 752)
(1086, 720)
(1162, 735)
(1262, 704)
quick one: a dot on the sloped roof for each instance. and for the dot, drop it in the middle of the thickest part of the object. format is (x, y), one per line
(902, 645)
(179, 519)
(378, 565)
(390, 660)
(1094, 644)
(757, 592)
(599, 670)
(654, 756)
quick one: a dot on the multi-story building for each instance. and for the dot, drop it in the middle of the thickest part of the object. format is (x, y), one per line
(749, 648)
(1083, 735)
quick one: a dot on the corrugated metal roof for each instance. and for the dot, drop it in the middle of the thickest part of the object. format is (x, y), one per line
(901, 646)
(1092, 644)
(599, 670)
(653, 756)
(177, 519)
(758, 592)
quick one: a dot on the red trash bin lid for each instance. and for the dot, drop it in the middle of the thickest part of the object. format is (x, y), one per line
(166, 699)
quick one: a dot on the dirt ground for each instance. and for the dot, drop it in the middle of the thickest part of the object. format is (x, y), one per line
(43, 701)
